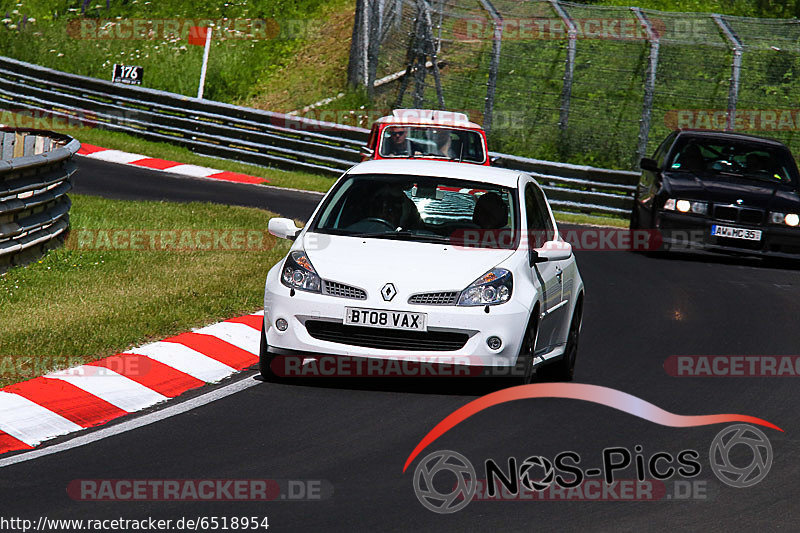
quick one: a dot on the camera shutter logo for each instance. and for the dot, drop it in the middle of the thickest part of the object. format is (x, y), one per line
(453, 463)
(536, 461)
(720, 455)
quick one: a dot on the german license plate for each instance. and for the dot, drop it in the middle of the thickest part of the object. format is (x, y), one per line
(729, 232)
(381, 318)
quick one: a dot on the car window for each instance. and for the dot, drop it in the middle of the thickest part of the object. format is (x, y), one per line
(421, 208)
(662, 149)
(748, 159)
(433, 142)
(539, 224)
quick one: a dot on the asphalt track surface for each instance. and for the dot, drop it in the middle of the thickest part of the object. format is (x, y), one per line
(356, 435)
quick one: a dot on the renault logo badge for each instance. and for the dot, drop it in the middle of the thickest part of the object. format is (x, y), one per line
(388, 291)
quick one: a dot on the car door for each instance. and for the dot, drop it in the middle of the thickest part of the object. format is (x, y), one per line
(550, 273)
(650, 183)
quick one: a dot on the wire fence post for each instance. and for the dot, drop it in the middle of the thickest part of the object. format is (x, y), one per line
(569, 69)
(736, 68)
(649, 86)
(357, 72)
(494, 63)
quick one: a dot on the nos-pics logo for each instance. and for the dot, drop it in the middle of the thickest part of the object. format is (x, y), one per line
(445, 481)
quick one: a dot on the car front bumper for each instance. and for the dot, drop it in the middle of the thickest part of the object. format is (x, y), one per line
(506, 321)
(691, 232)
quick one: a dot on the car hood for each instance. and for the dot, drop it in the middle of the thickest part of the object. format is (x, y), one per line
(726, 189)
(412, 267)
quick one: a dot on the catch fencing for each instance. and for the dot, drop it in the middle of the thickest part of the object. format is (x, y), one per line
(583, 83)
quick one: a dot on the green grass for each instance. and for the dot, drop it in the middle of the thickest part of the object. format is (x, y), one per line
(238, 63)
(590, 220)
(81, 304)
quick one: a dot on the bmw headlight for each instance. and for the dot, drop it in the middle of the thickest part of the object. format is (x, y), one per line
(492, 288)
(686, 206)
(298, 273)
(790, 219)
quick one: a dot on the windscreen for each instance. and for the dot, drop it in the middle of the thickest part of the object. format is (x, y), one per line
(418, 208)
(746, 159)
(432, 142)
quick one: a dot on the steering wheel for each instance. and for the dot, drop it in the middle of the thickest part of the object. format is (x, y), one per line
(375, 220)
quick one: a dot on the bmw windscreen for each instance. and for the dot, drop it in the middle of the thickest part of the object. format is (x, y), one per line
(741, 159)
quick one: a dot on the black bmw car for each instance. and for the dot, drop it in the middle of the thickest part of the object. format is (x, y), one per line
(721, 192)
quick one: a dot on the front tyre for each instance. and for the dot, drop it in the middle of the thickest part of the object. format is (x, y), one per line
(564, 368)
(265, 359)
(523, 371)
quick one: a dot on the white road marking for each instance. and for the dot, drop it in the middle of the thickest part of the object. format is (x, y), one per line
(241, 335)
(192, 170)
(186, 360)
(115, 156)
(30, 422)
(107, 385)
(151, 418)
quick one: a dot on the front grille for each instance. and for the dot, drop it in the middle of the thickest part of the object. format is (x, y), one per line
(341, 290)
(386, 339)
(751, 216)
(733, 213)
(725, 212)
(434, 298)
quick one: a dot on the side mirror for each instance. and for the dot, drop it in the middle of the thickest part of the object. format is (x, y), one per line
(367, 152)
(551, 251)
(649, 164)
(283, 228)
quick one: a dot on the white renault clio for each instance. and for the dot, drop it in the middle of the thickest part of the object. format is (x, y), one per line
(436, 259)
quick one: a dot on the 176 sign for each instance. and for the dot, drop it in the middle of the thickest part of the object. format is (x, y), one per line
(127, 74)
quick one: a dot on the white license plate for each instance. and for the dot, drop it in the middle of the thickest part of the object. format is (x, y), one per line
(381, 318)
(730, 232)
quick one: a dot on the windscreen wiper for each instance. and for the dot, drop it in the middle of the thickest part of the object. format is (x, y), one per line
(402, 234)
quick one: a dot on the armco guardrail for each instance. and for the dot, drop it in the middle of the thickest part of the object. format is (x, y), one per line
(35, 176)
(263, 137)
(578, 187)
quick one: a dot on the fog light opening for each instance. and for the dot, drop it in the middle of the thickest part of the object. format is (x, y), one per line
(281, 324)
(494, 343)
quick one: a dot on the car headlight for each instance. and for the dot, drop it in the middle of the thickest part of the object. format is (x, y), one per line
(686, 206)
(492, 288)
(790, 219)
(298, 273)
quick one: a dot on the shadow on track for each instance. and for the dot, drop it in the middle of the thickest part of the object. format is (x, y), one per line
(449, 386)
(701, 256)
